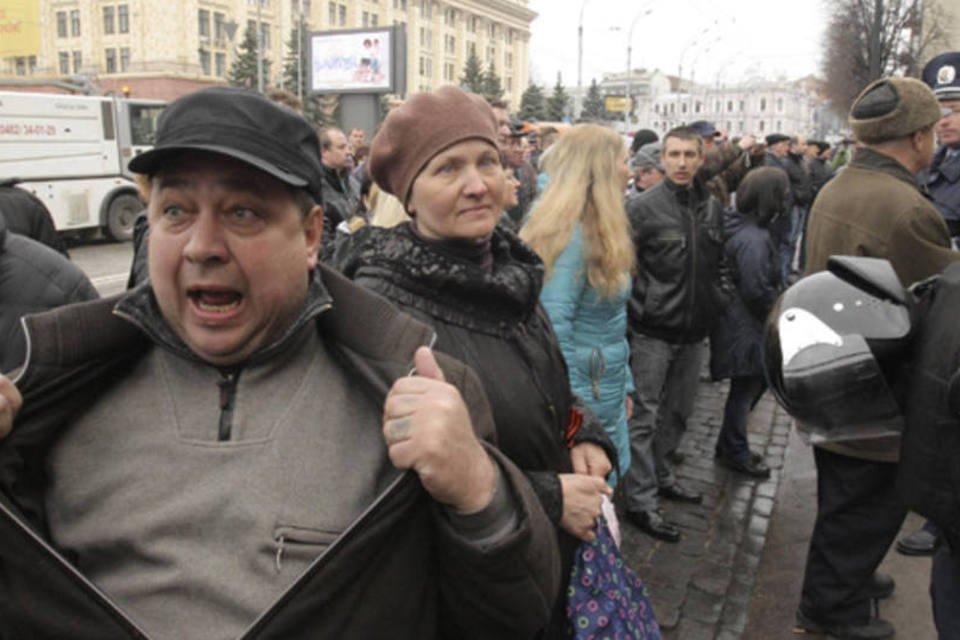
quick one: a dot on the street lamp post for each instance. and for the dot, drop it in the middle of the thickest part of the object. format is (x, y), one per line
(626, 78)
(579, 99)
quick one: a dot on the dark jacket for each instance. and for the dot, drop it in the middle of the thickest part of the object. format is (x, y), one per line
(493, 322)
(27, 215)
(800, 185)
(735, 344)
(340, 202)
(397, 571)
(680, 286)
(820, 174)
(33, 278)
(942, 181)
(874, 208)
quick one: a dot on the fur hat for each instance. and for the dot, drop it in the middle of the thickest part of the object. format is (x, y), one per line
(419, 129)
(891, 108)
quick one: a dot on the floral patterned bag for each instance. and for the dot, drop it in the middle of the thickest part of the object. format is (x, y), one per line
(605, 599)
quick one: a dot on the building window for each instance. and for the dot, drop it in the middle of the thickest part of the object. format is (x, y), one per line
(656, 109)
(761, 125)
(763, 107)
(374, 20)
(683, 108)
(450, 17)
(729, 106)
(21, 66)
(449, 72)
(61, 24)
(472, 24)
(108, 24)
(75, 22)
(426, 66)
(509, 36)
(740, 126)
(426, 8)
(743, 105)
(124, 59)
(492, 29)
(343, 15)
(426, 38)
(491, 54)
(64, 58)
(333, 14)
(77, 61)
(205, 61)
(111, 58)
(220, 64)
(123, 18)
(508, 84)
(400, 5)
(203, 23)
(779, 125)
(509, 60)
(471, 48)
(219, 29)
(696, 107)
(366, 18)
(450, 44)
(779, 105)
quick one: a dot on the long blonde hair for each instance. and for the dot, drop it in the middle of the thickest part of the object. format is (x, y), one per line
(584, 188)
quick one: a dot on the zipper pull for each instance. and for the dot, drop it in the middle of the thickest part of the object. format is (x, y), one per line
(280, 541)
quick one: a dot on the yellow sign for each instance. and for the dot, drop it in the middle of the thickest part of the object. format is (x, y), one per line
(615, 104)
(19, 28)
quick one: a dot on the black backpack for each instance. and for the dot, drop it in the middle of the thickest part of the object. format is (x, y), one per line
(929, 473)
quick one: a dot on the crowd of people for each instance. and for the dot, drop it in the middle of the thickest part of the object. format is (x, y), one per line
(393, 387)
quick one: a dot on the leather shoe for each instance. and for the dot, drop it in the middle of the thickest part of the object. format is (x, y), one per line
(919, 543)
(880, 586)
(653, 524)
(872, 629)
(678, 493)
(749, 467)
(756, 457)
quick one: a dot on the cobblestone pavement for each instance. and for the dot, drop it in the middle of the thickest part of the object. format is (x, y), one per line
(701, 587)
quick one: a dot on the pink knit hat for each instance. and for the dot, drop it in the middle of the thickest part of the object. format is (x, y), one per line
(423, 126)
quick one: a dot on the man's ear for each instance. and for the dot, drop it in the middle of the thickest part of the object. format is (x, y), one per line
(313, 233)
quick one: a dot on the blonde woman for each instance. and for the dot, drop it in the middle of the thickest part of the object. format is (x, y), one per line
(580, 230)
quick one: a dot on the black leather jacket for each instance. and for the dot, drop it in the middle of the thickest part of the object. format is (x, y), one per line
(682, 281)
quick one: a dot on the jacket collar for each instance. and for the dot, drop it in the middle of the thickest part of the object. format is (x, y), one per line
(335, 178)
(866, 158)
(948, 168)
(362, 324)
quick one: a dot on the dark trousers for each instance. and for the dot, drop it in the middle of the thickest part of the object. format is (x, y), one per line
(945, 593)
(732, 441)
(858, 517)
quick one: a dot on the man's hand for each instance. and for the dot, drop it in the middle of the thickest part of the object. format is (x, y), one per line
(582, 500)
(10, 403)
(428, 429)
(590, 459)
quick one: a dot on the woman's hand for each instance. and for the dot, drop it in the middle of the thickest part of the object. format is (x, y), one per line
(590, 459)
(582, 499)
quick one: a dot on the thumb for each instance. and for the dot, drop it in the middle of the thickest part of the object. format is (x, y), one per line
(426, 364)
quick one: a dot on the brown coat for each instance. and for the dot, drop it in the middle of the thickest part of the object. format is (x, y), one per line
(873, 208)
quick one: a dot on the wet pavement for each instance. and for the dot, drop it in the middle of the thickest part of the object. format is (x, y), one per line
(738, 569)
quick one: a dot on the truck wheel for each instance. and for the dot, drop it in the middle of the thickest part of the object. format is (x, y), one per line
(121, 214)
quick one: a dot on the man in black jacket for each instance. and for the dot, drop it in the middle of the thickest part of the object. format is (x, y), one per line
(340, 199)
(678, 236)
(238, 448)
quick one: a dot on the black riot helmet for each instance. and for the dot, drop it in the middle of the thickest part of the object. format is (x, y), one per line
(834, 345)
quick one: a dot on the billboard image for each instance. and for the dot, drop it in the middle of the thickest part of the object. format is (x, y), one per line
(356, 60)
(19, 28)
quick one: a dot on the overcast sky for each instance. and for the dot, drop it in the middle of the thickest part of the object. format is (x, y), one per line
(718, 40)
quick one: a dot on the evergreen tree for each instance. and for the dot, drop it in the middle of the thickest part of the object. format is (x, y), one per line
(473, 76)
(243, 72)
(593, 103)
(532, 104)
(557, 103)
(492, 89)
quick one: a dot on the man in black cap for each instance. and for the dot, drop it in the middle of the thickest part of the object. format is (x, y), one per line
(872, 208)
(942, 179)
(247, 444)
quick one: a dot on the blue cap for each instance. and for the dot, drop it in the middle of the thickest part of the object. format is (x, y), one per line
(942, 74)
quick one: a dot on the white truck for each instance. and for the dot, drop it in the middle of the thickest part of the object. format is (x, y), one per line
(72, 153)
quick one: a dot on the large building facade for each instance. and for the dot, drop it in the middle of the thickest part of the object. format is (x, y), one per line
(165, 49)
